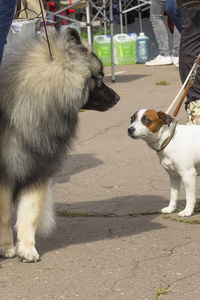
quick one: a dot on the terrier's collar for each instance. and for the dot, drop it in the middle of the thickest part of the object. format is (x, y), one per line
(169, 138)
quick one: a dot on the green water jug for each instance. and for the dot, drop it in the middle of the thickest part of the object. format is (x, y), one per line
(124, 50)
(101, 47)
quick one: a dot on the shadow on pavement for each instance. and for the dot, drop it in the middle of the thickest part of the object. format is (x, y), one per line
(71, 231)
(124, 78)
(74, 164)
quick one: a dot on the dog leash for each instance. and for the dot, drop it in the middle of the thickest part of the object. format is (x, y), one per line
(189, 82)
(169, 138)
(45, 28)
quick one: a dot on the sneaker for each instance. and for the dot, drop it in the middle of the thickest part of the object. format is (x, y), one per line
(175, 60)
(193, 111)
(159, 61)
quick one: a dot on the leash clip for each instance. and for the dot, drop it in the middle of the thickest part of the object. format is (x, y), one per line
(169, 138)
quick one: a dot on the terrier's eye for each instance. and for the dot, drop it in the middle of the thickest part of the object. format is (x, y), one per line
(146, 120)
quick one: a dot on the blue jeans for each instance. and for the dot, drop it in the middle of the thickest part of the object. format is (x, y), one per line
(7, 10)
(157, 10)
(174, 13)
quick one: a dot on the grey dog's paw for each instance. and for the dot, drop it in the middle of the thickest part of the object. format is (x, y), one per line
(27, 253)
(7, 251)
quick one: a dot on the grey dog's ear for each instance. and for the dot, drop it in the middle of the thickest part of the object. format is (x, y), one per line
(73, 33)
(166, 119)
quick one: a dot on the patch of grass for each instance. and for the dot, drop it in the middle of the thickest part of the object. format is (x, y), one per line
(65, 213)
(197, 207)
(163, 82)
(107, 128)
(160, 292)
(183, 220)
(112, 214)
(187, 221)
(144, 213)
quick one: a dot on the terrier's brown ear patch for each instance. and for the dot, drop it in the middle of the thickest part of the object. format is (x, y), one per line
(166, 119)
(151, 120)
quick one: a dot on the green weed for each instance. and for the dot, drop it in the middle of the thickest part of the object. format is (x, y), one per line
(192, 221)
(162, 83)
(144, 213)
(161, 292)
(65, 213)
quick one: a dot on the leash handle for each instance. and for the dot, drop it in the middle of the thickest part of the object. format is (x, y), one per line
(190, 83)
(180, 91)
(190, 78)
(181, 101)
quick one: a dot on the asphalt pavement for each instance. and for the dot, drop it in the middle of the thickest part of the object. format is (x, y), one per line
(110, 241)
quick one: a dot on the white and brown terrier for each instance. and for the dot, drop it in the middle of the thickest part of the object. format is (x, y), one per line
(178, 148)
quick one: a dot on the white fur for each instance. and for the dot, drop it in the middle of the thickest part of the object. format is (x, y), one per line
(35, 207)
(181, 159)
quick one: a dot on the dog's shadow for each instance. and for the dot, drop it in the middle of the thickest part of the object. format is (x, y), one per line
(124, 78)
(75, 163)
(94, 228)
(84, 229)
(79, 230)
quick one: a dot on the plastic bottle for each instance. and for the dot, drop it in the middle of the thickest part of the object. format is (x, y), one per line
(124, 49)
(142, 48)
(101, 47)
(133, 35)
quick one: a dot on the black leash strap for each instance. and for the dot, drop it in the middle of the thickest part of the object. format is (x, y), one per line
(45, 28)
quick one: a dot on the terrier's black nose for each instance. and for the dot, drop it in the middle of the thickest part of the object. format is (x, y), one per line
(131, 130)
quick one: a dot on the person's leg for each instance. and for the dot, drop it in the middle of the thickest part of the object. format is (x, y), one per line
(160, 30)
(176, 47)
(189, 51)
(174, 13)
(177, 37)
(157, 20)
(7, 10)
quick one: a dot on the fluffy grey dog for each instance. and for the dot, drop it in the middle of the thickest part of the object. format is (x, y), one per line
(39, 104)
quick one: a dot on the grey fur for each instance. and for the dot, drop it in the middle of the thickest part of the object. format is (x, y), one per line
(39, 104)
